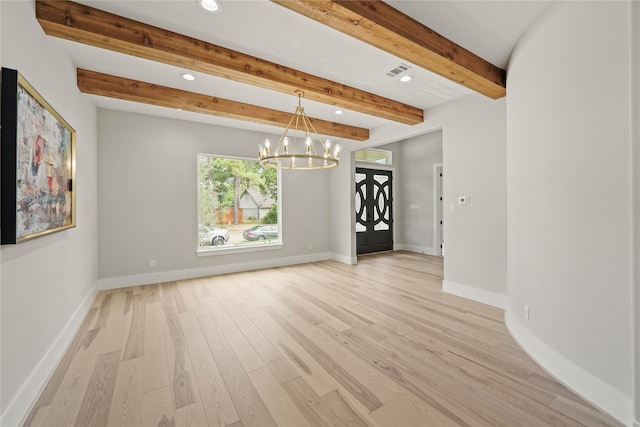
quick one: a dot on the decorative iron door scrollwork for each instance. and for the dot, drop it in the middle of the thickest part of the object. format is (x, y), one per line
(374, 208)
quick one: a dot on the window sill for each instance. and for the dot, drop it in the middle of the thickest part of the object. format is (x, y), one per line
(238, 250)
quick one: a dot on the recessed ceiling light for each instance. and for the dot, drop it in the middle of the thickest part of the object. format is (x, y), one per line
(188, 76)
(338, 112)
(405, 79)
(209, 5)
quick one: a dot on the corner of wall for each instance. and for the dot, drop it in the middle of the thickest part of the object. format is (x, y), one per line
(344, 259)
(342, 209)
(475, 294)
(417, 249)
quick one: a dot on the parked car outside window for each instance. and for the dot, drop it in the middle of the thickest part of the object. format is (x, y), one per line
(261, 232)
(213, 236)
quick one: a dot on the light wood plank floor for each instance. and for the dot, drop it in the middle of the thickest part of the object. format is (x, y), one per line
(322, 344)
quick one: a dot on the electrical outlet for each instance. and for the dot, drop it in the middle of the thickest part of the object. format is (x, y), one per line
(526, 312)
(152, 263)
(310, 247)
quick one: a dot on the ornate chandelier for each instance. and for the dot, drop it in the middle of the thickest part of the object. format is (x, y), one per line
(287, 153)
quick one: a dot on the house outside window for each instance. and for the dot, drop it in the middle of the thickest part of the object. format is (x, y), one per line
(237, 204)
(255, 205)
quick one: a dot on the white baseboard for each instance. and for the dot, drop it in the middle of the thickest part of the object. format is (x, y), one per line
(25, 397)
(344, 259)
(416, 249)
(170, 276)
(475, 294)
(607, 398)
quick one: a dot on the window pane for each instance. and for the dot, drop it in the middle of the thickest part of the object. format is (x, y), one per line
(361, 209)
(237, 203)
(382, 157)
(381, 214)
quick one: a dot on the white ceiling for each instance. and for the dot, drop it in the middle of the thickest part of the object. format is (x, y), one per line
(263, 29)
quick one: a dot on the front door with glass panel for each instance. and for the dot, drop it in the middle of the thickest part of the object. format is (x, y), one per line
(374, 213)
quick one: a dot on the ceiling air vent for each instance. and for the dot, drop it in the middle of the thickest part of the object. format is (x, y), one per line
(398, 70)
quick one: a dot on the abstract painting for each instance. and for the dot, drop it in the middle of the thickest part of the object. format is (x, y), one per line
(38, 164)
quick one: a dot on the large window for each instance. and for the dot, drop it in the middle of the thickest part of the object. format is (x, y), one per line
(237, 204)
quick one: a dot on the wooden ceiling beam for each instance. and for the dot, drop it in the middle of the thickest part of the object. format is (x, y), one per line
(380, 25)
(95, 83)
(84, 24)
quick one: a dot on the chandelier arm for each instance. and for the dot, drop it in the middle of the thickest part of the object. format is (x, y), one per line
(292, 164)
(324, 147)
(286, 130)
(307, 125)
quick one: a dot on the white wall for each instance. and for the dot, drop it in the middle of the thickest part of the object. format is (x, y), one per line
(474, 163)
(342, 210)
(49, 279)
(569, 198)
(147, 200)
(635, 182)
(413, 161)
